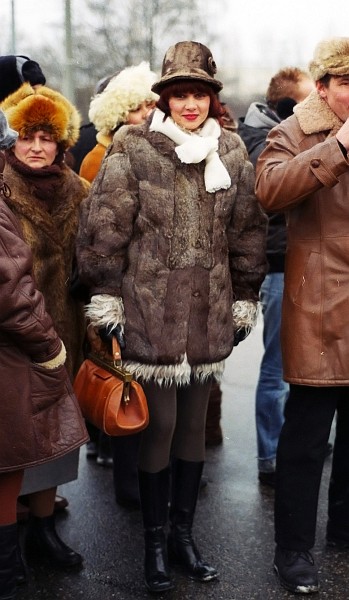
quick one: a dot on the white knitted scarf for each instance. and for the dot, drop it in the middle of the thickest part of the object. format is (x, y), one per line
(195, 147)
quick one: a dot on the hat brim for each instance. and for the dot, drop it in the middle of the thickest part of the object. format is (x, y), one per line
(158, 86)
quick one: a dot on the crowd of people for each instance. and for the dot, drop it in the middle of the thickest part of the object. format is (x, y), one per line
(165, 223)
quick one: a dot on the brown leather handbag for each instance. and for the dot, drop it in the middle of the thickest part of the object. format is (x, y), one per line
(109, 398)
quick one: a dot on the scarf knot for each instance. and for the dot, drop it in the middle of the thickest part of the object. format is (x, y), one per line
(194, 148)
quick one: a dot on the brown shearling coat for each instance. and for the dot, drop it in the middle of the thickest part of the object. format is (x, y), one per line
(304, 172)
(39, 416)
(51, 236)
(177, 255)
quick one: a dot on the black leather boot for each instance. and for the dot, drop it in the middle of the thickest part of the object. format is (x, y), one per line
(8, 549)
(182, 550)
(44, 541)
(154, 494)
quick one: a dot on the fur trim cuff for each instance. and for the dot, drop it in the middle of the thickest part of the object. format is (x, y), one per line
(245, 313)
(55, 362)
(105, 310)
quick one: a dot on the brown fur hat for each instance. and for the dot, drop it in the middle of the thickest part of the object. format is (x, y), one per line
(331, 56)
(28, 110)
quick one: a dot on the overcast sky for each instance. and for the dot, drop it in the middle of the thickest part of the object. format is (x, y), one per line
(253, 32)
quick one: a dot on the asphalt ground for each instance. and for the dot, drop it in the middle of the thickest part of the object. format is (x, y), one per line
(233, 525)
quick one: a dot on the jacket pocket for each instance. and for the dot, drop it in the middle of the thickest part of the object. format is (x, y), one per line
(48, 386)
(308, 290)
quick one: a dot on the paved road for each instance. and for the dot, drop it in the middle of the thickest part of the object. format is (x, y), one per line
(234, 520)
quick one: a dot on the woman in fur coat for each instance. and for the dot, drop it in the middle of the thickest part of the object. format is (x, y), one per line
(37, 395)
(45, 197)
(172, 246)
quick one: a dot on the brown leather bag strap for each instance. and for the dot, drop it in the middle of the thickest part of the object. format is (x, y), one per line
(116, 350)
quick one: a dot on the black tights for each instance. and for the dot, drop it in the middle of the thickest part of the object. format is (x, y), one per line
(177, 419)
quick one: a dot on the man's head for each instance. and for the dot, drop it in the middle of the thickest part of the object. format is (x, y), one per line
(286, 88)
(330, 69)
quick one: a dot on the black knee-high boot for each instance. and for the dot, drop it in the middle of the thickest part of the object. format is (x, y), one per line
(43, 540)
(154, 494)
(8, 550)
(182, 550)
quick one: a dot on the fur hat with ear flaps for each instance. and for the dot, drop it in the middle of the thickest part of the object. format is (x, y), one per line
(29, 110)
(331, 56)
(185, 61)
(123, 94)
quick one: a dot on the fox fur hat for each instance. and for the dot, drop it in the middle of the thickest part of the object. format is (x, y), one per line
(123, 94)
(331, 56)
(28, 110)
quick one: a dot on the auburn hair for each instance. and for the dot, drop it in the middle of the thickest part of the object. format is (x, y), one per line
(216, 110)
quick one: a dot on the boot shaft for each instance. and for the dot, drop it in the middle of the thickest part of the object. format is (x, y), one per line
(8, 550)
(154, 494)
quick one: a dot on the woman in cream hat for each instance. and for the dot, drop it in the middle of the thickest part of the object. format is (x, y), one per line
(171, 245)
(127, 100)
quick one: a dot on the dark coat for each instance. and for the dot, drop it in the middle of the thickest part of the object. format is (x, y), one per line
(178, 256)
(39, 416)
(50, 229)
(303, 171)
(254, 137)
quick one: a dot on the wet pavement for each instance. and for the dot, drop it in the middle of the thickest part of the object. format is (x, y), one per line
(233, 524)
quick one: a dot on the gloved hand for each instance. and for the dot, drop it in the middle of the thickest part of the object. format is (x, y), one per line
(240, 335)
(107, 333)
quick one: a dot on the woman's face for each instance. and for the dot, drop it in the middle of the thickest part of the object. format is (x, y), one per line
(36, 150)
(138, 116)
(189, 110)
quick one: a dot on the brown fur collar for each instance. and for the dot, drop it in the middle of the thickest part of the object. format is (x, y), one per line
(314, 115)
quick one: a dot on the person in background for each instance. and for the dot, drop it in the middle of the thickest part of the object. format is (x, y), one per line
(88, 132)
(304, 170)
(15, 70)
(33, 377)
(45, 197)
(286, 88)
(127, 99)
(171, 244)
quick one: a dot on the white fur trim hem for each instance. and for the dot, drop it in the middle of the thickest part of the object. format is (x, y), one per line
(180, 374)
(105, 310)
(245, 313)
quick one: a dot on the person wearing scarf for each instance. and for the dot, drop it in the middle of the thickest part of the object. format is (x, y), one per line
(45, 198)
(171, 244)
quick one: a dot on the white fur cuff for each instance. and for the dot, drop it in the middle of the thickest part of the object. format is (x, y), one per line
(105, 310)
(57, 361)
(245, 313)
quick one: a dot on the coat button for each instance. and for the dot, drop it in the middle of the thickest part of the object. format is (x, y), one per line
(315, 163)
(196, 294)
(197, 244)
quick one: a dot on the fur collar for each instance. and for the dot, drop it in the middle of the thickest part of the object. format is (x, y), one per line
(314, 115)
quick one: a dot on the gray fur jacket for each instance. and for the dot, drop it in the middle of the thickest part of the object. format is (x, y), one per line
(179, 267)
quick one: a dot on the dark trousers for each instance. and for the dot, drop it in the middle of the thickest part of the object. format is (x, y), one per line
(309, 413)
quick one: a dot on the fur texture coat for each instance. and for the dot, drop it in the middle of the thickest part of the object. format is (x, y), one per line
(49, 223)
(174, 257)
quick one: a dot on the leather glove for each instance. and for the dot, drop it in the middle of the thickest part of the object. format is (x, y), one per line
(107, 333)
(240, 335)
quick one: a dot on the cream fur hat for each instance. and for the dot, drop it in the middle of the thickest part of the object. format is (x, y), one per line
(124, 93)
(331, 56)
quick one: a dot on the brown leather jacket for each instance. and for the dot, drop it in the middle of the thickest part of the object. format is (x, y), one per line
(304, 172)
(39, 416)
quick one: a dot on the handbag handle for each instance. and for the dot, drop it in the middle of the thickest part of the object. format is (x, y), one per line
(116, 351)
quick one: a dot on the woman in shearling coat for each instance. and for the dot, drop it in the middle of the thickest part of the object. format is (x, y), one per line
(37, 395)
(171, 244)
(45, 196)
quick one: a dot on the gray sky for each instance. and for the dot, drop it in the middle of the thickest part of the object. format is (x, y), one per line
(249, 34)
